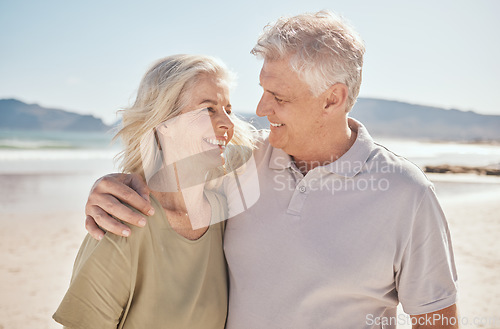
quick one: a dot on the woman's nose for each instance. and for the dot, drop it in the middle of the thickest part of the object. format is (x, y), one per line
(223, 121)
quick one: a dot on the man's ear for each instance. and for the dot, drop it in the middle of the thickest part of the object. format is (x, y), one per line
(336, 97)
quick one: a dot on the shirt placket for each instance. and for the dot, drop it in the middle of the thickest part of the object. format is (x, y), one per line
(303, 187)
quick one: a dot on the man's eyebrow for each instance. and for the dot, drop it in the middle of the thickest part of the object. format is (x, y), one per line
(276, 94)
(272, 92)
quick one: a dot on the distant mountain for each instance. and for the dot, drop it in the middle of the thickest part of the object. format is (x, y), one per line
(17, 115)
(398, 119)
(385, 118)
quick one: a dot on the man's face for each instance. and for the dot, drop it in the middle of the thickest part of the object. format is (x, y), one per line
(293, 111)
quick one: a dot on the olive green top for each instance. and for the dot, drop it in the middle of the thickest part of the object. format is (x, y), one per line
(156, 278)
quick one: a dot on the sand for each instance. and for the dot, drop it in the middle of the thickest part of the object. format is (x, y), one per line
(37, 257)
(39, 240)
(475, 227)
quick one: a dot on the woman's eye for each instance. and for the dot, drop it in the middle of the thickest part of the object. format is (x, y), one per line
(228, 111)
(211, 109)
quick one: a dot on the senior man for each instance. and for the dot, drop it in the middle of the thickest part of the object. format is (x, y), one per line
(344, 229)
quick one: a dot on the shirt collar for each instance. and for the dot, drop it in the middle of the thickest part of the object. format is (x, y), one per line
(348, 165)
(280, 159)
(351, 162)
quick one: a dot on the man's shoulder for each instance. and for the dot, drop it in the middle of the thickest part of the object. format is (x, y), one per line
(396, 167)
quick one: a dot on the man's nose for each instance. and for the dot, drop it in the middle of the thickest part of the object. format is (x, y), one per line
(264, 108)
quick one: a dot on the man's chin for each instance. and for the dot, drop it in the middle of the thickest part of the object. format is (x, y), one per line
(275, 142)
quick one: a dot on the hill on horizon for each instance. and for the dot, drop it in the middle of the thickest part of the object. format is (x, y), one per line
(18, 115)
(395, 119)
(383, 118)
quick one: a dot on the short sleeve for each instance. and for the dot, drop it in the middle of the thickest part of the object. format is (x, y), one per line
(100, 285)
(426, 280)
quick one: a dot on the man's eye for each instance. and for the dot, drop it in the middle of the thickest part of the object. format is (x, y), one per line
(278, 100)
(211, 109)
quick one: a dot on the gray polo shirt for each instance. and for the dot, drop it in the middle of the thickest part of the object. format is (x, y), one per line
(339, 247)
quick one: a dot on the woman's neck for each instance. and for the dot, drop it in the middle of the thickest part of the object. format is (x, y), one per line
(187, 211)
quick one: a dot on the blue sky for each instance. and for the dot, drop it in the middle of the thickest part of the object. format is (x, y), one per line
(89, 56)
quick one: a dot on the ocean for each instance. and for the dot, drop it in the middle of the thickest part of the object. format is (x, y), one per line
(427, 153)
(27, 152)
(50, 172)
(24, 152)
(38, 170)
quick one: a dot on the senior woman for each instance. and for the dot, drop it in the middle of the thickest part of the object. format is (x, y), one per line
(172, 274)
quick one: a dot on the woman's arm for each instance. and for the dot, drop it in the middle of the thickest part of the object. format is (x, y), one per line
(100, 286)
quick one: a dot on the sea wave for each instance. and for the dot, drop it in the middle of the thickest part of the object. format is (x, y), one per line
(56, 154)
(434, 153)
(19, 144)
(48, 140)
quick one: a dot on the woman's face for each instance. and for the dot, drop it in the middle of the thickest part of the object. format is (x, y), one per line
(213, 95)
(203, 127)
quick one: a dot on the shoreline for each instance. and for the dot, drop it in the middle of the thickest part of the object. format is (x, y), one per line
(454, 169)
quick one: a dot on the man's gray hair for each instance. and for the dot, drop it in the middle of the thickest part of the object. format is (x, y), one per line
(323, 49)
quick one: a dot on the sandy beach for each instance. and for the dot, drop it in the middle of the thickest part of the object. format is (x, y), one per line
(42, 226)
(474, 220)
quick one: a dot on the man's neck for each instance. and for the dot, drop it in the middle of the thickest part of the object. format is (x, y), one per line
(339, 146)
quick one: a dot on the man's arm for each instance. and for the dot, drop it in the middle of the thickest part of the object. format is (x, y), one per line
(104, 202)
(447, 318)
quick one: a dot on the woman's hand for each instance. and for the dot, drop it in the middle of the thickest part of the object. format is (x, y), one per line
(104, 202)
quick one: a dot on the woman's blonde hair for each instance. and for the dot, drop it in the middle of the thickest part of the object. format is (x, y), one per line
(162, 95)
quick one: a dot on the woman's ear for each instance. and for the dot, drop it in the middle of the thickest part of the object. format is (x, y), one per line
(336, 97)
